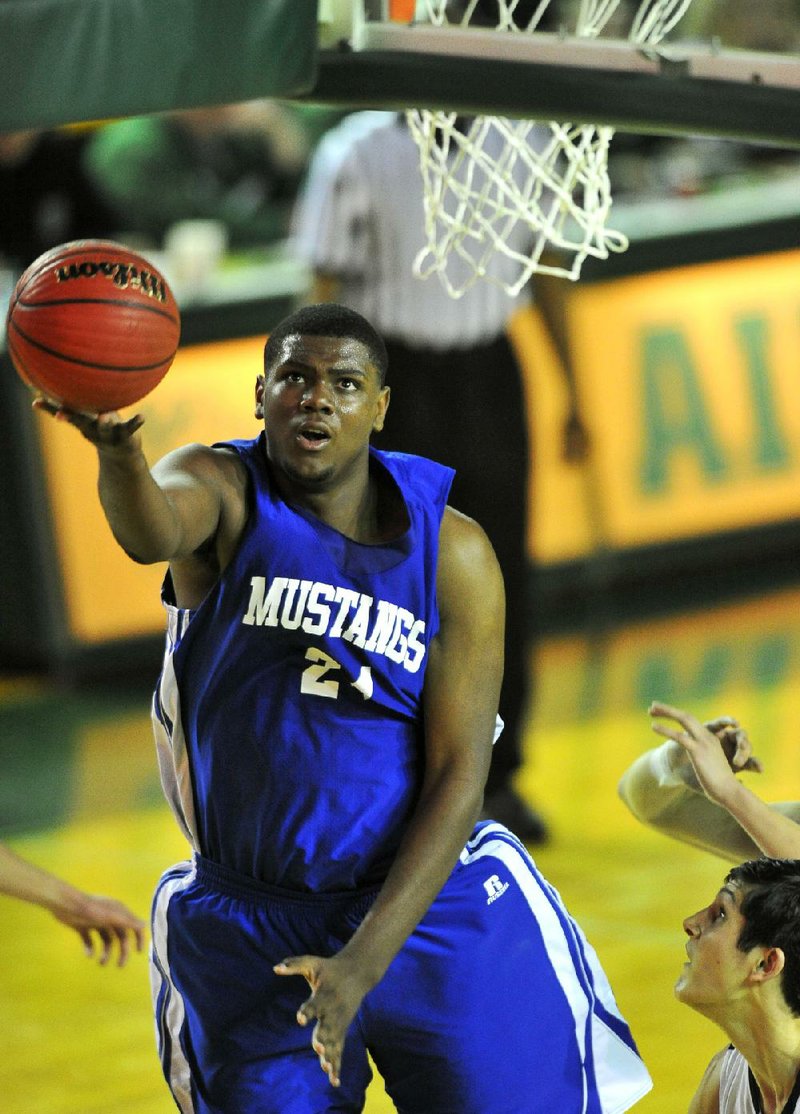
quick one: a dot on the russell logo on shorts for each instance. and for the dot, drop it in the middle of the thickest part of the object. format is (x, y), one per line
(494, 888)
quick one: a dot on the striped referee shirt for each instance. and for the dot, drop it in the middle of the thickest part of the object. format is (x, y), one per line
(360, 218)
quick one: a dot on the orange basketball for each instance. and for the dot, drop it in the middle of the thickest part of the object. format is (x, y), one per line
(92, 325)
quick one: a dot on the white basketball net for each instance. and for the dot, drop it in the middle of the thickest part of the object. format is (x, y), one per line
(519, 187)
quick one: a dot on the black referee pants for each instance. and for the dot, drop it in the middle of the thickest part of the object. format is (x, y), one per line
(465, 408)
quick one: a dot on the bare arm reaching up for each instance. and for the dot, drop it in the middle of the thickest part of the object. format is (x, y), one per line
(718, 751)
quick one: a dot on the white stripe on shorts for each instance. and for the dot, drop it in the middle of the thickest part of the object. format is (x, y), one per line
(621, 1076)
(171, 1017)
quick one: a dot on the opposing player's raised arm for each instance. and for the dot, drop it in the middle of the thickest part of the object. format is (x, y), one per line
(662, 789)
(658, 795)
(717, 752)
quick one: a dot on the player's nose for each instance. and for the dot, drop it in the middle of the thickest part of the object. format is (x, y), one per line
(317, 397)
(691, 925)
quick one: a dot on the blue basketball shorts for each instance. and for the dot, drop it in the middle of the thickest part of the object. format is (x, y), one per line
(496, 1004)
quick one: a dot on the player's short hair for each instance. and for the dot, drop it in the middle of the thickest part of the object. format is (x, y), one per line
(771, 910)
(328, 319)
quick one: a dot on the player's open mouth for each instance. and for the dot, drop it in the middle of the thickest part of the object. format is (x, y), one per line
(314, 439)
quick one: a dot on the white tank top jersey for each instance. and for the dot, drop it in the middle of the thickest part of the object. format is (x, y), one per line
(360, 217)
(738, 1093)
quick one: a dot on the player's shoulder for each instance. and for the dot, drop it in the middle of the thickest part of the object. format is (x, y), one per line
(469, 584)
(425, 478)
(198, 453)
(460, 528)
(464, 547)
(209, 463)
(707, 1096)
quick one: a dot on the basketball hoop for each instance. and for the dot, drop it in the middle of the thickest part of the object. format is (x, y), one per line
(488, 179)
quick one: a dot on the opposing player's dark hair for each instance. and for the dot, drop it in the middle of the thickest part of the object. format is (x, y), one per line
(329, 319)
(771, 911)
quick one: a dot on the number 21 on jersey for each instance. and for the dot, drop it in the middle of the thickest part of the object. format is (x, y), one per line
(320, 677)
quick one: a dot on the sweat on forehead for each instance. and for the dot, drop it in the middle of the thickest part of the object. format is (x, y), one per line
(326, 355)
(328, 319)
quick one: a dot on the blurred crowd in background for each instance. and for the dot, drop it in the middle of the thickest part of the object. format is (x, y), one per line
(241, 166)
(136, 179)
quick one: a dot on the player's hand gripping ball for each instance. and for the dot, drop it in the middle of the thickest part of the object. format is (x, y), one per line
(92, 326)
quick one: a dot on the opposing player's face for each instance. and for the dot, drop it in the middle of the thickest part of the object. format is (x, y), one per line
(716, 971)
(320, 401)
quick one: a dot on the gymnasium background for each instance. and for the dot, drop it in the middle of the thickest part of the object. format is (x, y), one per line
(663, 566)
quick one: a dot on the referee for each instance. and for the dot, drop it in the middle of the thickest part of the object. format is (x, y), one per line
(359, 224)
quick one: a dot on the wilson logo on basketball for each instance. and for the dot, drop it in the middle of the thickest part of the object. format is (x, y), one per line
(123, 275)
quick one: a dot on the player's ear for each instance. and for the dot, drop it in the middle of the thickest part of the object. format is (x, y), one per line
(259, 412)
(769, 965)
(383, 406)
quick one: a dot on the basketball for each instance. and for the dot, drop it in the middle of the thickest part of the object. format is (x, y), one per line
(92, 326)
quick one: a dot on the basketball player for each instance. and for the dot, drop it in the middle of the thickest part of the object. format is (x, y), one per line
(744, 974)
(688, 788)
(324, 721)
(89, 914)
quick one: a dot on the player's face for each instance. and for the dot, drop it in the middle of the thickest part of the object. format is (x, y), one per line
(716, 971)
(320, 401)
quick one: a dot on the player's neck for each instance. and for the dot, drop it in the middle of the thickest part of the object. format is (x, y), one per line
(777, 1096)
(349, 508)
(355, 518)
(366, 507)
(772, 1051)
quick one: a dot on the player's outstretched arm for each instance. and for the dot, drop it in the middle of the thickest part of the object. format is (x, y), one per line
(719, 751)
(163, 514)
(99, 921)
(462, 687)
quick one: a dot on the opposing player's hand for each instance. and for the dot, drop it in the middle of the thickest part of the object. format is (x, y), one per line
(735, 744)
(717, 750)
(336, 994)
(103, 430)
(101, 922)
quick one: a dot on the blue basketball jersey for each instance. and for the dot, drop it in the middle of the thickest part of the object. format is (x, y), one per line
(288, 711)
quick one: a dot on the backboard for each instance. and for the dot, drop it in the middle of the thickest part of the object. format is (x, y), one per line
(731, 68)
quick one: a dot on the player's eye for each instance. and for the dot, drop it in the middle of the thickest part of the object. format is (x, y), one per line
(348, 383)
